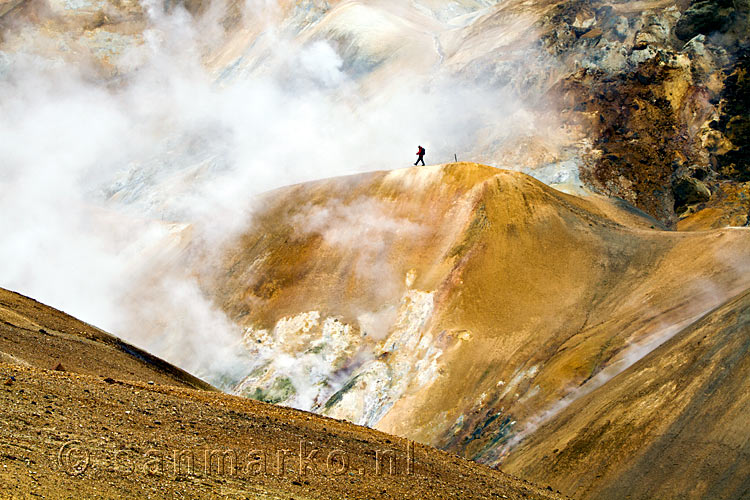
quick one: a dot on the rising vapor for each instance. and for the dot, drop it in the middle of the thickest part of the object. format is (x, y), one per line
(107, 179)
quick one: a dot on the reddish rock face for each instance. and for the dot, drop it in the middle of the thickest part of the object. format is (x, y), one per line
(649, 116)
(734, 121)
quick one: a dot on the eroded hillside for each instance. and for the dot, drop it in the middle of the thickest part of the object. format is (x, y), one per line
(459, 305)
(33, 334)
(673, 425)
(462, 306)
(111, 421)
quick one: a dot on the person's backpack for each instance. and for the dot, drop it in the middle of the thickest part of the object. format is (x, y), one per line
(421, 151)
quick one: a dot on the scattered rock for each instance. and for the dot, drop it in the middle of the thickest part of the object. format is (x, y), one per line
(653, 33)
(591, 34)
(621, 27)
(703, 17)
(688, 191)
(60, 367)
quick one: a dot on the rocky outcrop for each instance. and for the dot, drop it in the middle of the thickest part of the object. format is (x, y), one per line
(352, 371)
(649, 88)
(733, 162)
(689, 191)
(704, 17)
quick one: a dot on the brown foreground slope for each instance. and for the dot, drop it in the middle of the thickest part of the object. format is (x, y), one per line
(78, 434)
(674, 425)
(35, 334)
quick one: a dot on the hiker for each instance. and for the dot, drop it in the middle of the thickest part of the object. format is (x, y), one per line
(420, 155)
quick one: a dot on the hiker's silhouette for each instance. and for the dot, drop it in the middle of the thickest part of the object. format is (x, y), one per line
(420, 155)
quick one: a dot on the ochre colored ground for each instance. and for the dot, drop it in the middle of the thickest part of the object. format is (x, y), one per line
(536, 292)
(672, 426)
(109, 425)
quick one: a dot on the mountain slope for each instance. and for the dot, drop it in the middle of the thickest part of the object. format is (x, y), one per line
(458, 305)
(674, 425)
(66, 434)
(38, 335)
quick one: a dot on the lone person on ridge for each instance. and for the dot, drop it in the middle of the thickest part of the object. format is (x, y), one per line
(420, 155)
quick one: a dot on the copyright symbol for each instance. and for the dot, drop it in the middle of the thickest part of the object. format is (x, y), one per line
(73, 458)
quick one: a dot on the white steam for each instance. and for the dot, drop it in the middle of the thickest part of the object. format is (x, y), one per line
(106, 181)
(365, 228)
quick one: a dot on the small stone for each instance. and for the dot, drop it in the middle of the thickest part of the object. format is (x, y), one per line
(688, 191)
(592, 34)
